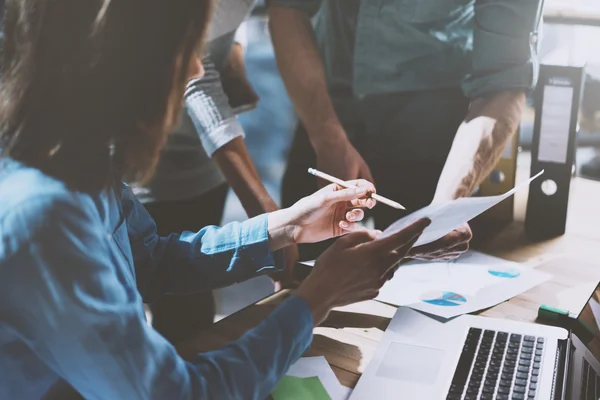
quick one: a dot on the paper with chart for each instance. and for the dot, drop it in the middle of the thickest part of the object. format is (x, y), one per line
(311, 367)
(473, 282)
(446, 217)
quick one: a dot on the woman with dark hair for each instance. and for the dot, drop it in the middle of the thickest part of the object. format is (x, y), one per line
(90, 89)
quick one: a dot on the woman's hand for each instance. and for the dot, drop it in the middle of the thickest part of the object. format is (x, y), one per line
(329, 212)
(332, 211)
(355, 267)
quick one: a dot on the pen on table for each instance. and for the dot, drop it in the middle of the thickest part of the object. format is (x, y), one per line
(340, 182)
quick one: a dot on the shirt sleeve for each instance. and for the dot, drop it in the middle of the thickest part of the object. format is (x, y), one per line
(208, 107)
(309, 7)
(504, 47)
(190, 262)
(83, 320)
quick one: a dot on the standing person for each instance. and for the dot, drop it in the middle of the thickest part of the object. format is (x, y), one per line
(422, 96)
(205, 156)
(90, 91)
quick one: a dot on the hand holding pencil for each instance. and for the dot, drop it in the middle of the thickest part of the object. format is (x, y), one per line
(332, 179)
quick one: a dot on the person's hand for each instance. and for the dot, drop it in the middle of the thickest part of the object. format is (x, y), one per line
(327, 213)
(354, 268)
(331, 211)
(338, 157)
(447, 248)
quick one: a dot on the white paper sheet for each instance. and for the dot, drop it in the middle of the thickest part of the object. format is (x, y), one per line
(448, 216)
(447, 289)
(307, 367)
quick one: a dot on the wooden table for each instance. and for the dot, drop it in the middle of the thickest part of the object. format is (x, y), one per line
(349, 338)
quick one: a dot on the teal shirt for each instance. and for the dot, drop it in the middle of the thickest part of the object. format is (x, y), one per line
(382, 46)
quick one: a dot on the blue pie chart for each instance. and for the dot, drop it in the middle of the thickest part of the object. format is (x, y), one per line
(504, 272)
(444, 299)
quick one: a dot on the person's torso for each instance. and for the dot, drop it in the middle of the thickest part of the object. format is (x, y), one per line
(24, 375)
(382, 46)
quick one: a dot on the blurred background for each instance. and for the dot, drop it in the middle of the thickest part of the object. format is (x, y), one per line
(570, 36)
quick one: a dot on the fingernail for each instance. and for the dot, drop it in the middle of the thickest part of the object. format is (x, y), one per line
(371, 203)
(344, 224)
(351, 216)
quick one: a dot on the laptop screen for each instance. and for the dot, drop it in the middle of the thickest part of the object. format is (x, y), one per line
(588, 327)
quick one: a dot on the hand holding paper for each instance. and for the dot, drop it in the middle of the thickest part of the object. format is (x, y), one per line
(449, 247)
(448, 216)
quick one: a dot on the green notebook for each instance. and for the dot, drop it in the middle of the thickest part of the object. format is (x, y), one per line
(293, 388)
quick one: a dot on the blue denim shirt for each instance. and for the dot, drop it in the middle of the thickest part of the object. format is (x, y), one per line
(74, 271)
(381, 46)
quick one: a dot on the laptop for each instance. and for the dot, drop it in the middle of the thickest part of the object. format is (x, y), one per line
(471, 357)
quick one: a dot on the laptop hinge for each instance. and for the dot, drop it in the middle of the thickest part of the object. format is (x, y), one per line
(561, 370)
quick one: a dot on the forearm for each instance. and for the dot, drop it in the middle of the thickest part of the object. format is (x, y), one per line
(235, 163)
(503, 61)
(131, 360)
(222, 135)
(251, 366)
(301, 67)
(194, 261)
(479, 143)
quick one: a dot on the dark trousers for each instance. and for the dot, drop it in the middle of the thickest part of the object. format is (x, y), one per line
(178, 317)
(404, 138)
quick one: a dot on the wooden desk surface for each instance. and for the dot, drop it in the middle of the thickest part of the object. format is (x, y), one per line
(349, 337)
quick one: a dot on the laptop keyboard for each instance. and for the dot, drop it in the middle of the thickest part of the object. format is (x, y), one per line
(497, 366)
(590, 388)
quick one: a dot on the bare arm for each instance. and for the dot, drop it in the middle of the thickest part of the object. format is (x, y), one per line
(302, 70)
(503, 69)
(235, 163)
(222, 135)
(301, 67)
(477, 147)
(479, 143)
(233, 158)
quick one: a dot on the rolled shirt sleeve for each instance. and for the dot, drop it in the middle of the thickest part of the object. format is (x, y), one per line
(504, 47)
(189, 262)
(208, 107)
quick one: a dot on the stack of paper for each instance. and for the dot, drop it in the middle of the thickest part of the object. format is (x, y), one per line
(310, 378)
(471, 283)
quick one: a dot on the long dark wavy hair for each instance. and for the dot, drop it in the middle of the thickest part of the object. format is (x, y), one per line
(87, 85)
